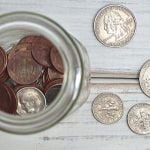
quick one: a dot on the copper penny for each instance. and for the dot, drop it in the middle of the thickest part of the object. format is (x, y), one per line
(53, 83)
(18, 48)
(53, 74)
(7, 102)
(4, 76)
(41, 54)
(36, 39)
(56, 60)
(3, 60)
(52, 93)
(23, 69)
(13, 98)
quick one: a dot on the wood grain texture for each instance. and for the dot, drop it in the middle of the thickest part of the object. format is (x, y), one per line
(80, 131)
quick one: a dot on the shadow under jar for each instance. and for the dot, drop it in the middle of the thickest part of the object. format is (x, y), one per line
(75, 85)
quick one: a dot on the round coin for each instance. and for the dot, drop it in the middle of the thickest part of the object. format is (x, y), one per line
(52, 93)
(23, 69)
(138, 118)
(114, 25)
(144, 78)
(30, 100)
(41, 54)
(107, 108)
(56, 60)
(3, 60)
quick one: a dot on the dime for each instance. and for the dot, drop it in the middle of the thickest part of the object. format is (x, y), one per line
(23, 69)
(56, 60)
(107, 108)
(144, 78)
(52, 93)
(139, 118)
(30, 100)
(114, 25)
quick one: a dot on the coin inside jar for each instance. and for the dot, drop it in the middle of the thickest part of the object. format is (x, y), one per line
(3, 60)
(52, 93)
(56, 60)
(23, 69)
(30, 100)
(8, 102)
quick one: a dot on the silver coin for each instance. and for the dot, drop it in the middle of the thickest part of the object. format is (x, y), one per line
(107, 108)
(114, 25)
(139, 118)
(30, 100)
(144, 78)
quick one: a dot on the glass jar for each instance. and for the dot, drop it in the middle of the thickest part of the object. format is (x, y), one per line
(75, 88)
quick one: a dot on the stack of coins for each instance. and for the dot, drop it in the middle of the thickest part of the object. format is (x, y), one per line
(31, 75)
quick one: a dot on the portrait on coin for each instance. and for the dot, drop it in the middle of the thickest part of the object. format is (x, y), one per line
(115, 26)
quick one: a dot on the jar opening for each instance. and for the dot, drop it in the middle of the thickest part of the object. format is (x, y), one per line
(16, 26)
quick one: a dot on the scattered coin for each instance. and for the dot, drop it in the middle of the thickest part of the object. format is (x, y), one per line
(56, 60)
(30, 100)
(114, 25)
(107, 108)
(139, 118)
(144, 78)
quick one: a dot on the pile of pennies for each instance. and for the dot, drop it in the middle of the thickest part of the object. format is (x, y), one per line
(31, 75)
(114, 26)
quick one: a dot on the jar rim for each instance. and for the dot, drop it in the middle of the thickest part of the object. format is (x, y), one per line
(72, 77)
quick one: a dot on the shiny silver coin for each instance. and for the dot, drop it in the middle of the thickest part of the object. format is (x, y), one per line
(144, 78)
(30, 101)
(52, 93)
(114, 25)
(139, 118)
(107, 108)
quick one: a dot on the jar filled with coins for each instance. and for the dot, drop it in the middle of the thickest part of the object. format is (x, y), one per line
(44, 73)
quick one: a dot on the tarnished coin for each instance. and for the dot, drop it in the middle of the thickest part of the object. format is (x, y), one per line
(30, 100)
(144, 78)
(52, 93)
(139, 118)
(114, 25)
(107, 108)
(23, 69)
(3, 60)
(56, 60)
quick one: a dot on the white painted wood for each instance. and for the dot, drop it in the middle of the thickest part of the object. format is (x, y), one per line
(80, 131)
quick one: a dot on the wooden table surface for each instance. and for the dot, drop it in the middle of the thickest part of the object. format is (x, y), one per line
(80, 131)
